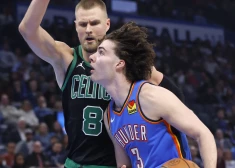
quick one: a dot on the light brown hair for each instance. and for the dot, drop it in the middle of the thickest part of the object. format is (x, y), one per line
(89, 4)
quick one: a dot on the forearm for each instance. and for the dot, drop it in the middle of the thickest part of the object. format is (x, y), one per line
(208, 150)
(34, 15)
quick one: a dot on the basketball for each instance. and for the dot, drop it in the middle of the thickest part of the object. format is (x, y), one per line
(179, 163)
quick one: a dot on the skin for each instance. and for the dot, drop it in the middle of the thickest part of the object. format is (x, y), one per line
(173, 111)
(91, 23)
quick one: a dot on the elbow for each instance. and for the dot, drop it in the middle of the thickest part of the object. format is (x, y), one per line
(205, 135)
(26, 30)
(22, 29)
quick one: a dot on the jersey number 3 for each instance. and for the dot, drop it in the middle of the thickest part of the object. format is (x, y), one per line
(139, 161)
(92, 120)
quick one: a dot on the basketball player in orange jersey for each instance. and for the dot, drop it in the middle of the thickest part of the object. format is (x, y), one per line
(140, 116)
(83, 101)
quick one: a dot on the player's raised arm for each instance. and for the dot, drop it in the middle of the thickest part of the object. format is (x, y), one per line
(37, 38)
(122, 159)
(164, 104)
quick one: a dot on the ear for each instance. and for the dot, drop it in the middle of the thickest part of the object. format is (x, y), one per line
(120, 65)
(107, 24)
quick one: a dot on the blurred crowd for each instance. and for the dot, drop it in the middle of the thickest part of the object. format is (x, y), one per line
(197, 11)
(30, 100)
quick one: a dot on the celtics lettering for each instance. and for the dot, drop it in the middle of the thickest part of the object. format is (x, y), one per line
(83, 87)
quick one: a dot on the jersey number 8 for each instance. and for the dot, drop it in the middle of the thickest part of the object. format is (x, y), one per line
(92, 120)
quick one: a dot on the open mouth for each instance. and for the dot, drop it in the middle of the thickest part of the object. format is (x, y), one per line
(89, 39)
(92, 69)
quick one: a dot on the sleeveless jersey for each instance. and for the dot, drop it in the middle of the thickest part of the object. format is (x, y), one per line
(148, 143)
(84, 103)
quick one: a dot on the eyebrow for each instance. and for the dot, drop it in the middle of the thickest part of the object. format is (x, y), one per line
(102, 48)
(91, 21)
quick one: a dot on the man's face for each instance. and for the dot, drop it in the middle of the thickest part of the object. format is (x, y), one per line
(11, 147)
(4, 100)
(104, 62)
(91, 25)
(37, 147)
(43, 128)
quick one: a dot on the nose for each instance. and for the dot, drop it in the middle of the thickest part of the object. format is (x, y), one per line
(88, 29)
(92, 58)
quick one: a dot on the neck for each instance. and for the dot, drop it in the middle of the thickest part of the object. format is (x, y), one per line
(86, 55)
(118, 90)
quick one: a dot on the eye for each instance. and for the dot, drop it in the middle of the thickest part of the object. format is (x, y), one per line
(101, 52)
(94, 23)
(83, 24)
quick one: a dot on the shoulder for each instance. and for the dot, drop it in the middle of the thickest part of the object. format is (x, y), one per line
(155, 95)
(151, 90)
(152, 94)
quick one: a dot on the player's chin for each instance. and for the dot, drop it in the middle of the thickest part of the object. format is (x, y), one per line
(93, 77)
(96, 79)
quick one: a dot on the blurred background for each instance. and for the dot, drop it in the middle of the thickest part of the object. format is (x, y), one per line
(194, 46)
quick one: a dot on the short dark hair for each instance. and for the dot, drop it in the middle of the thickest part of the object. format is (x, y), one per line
(133, 47)
(89, 4)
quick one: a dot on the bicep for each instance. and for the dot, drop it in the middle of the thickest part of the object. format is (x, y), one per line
(164, 104)
(120, 154)
(180, 116)
(44, 46)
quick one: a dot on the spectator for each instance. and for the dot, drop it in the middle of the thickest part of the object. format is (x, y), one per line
(221, 121)
(18, 92)
(221, 142)
(17, 133)
(53, 139)
(2, 162)
(25, 147)
(19, 161)
(43, 135)
(29, 114)
(58, 131)
(229, 162)
(220, 159)
(42, 112)
(10, 113)
(9, 156)
(33, 92)
(57, 155)
(37, 158)
(7, 57)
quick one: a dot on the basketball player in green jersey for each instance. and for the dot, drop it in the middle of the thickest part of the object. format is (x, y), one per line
(83, 101)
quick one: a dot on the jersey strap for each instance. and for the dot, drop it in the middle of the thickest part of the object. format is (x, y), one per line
(73, 64)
